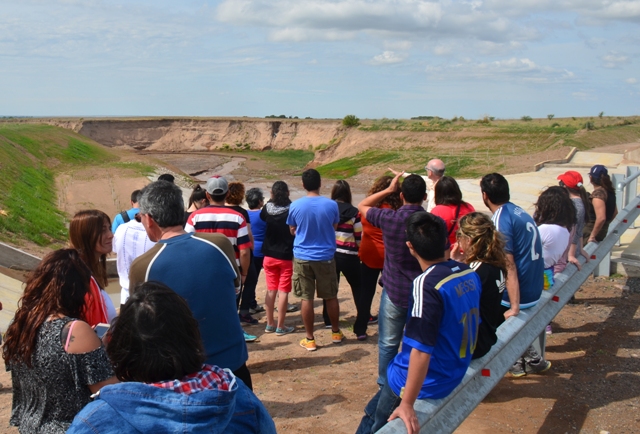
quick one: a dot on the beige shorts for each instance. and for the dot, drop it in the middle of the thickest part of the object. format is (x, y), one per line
(309, 275)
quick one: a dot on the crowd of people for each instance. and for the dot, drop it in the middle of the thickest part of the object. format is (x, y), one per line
(175, 356)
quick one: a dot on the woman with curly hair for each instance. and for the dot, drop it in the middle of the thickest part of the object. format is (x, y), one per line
(90, 234)
(56, 360)
(371, 253)
(481, 246)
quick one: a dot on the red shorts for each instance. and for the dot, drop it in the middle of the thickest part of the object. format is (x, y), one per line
(278, 274)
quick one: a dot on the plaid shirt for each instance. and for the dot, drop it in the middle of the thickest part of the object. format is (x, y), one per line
(400, 268)
(209, 378)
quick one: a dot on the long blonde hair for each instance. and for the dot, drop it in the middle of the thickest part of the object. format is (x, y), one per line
(485, 242)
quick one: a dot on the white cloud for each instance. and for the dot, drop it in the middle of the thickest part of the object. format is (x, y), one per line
(388, 57)
(614, 60)
(512, 69)
(583, 96)
(631, 80)
(397, 45)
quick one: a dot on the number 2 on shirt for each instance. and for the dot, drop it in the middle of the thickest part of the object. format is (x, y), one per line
(469, 328)
(531, 228)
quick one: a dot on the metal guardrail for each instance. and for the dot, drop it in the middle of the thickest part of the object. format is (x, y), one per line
(514, 336)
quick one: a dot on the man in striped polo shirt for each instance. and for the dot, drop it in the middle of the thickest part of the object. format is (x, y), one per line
(218, 218)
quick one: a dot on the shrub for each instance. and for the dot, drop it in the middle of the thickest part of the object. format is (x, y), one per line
(589, 126)
(600, 115)
(555, 124)
(350, 121)
(526, 118)
(550, 117)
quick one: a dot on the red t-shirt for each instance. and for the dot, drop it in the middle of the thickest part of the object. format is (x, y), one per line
(448, 214)
(371, 250)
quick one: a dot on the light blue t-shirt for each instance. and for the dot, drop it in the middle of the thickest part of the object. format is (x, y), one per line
(118, 220)
(314, 218)
(522, 240)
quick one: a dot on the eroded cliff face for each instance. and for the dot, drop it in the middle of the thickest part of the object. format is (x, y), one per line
(328, 138)
(209, 135)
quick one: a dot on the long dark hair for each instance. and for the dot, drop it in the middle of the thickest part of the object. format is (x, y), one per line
(604, 181)
(341, 191)
(57, 286)
(584, 197)
(448, 192)
(155, 338)
(555, 207)
(85, 231)
(280, 194)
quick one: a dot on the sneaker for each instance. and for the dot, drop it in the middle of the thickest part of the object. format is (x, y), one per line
(308, 344)
(548, 330)
(292, 308)
(269, 329)
(373, 319)
(248, 319)
(361, 337)
(257, 309)
(249, 338)
(538, 367)
(517, 370)
(285, 330)
(337, 337)
(327, 326)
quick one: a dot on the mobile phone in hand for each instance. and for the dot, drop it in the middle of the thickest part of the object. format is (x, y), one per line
(101, 329)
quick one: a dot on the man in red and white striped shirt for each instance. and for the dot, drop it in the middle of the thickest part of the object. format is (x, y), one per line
(221, 219)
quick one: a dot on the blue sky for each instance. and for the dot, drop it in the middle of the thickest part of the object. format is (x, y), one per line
(372, 58)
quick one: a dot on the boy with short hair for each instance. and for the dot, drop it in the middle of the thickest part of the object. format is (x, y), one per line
(440, 334)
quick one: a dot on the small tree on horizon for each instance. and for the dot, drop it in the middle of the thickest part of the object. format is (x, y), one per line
(550, 117)
(350, 121)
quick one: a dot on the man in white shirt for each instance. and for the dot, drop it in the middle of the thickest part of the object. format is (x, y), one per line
(435, 170)
(129, 241)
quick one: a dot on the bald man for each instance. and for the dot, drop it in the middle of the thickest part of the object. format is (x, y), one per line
(435, 171)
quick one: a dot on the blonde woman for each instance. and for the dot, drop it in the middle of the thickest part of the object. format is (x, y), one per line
(481, 246)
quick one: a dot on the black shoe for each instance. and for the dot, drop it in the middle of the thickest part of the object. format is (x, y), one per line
(373, 319)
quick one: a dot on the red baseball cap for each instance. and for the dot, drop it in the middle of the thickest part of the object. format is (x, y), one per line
(571, 179)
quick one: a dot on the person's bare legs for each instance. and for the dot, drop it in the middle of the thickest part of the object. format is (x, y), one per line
(307, 317)
(269, 301)
(333, 310)
(283, 301)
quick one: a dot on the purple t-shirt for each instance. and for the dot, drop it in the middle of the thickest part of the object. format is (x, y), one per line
(400, 268)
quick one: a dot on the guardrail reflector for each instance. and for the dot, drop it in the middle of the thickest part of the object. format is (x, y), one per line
(624, 221)
(486, 372)
(555, 298)
(593, 256)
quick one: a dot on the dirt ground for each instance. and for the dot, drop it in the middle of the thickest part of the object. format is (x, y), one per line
(593, 385)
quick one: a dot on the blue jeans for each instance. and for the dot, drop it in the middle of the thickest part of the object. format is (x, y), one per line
(391, 320)
(378, 410)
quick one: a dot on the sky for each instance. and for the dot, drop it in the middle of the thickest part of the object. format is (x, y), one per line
(320, 58)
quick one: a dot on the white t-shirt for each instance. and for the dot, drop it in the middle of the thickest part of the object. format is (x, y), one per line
(555, 240)
(129, 242)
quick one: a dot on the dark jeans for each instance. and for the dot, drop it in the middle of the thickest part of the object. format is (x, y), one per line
(349, 265)
(368, 283)
(243, 373)
(378, 410)
(248, 294)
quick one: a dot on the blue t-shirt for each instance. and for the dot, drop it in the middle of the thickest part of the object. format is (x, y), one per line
(442, 320)
(314, 218)
(522, 240)
(258, 229)
(118, 220)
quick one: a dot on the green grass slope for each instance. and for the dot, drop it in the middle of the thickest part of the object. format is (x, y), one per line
(30, 156)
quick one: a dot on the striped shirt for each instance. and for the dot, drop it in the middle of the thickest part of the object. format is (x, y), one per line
(223, 220)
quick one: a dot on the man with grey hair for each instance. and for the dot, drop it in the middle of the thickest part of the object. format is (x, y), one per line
(435, 170)
(199, 267)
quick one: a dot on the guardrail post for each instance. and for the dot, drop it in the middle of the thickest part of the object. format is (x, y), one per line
(631, 190)
(619, 183)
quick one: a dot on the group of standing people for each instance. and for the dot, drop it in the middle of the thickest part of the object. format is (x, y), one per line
(450, 277)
